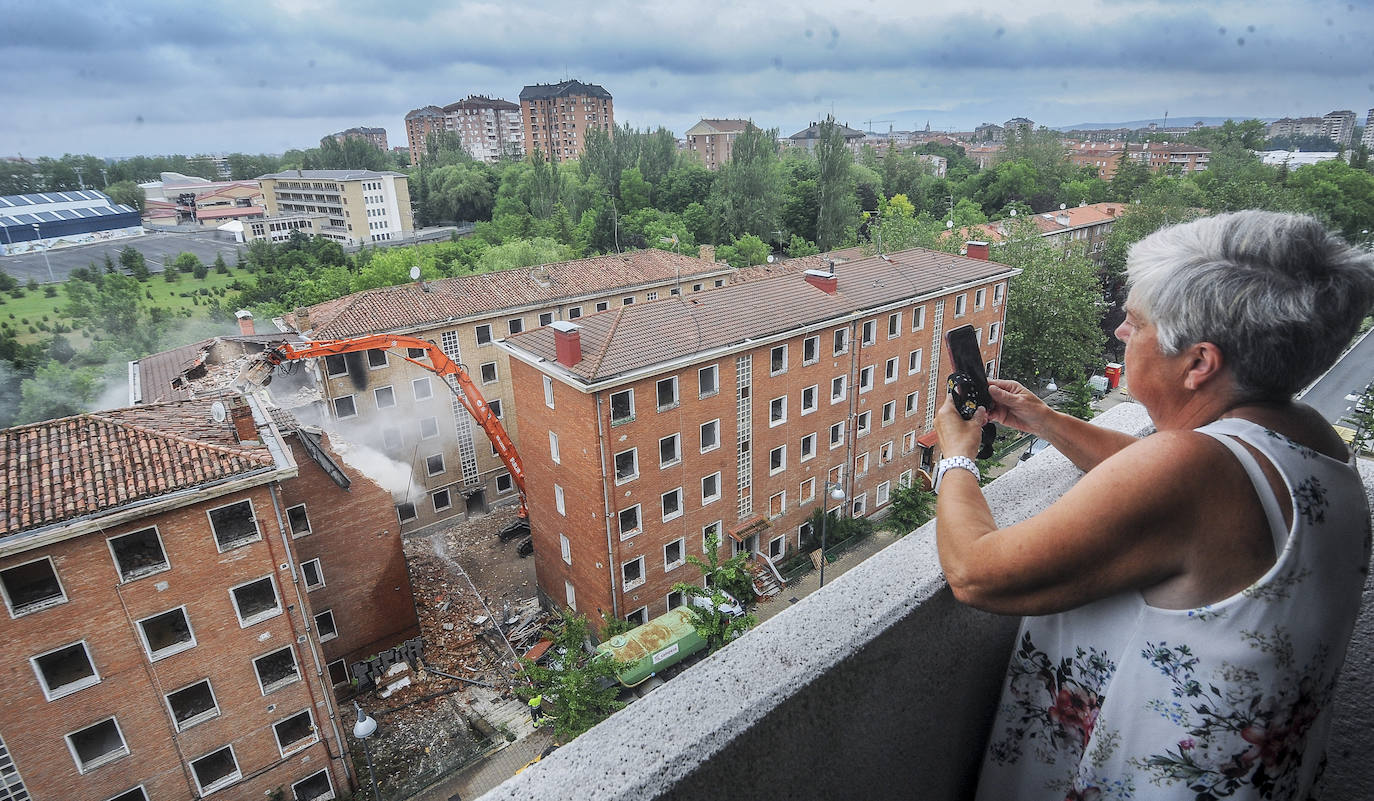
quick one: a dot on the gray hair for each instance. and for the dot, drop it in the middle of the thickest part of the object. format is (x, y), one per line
(1279, 294)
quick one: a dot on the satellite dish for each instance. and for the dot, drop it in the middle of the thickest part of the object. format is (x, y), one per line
(770, 258)
(218, 413)
(1061, 206)
(1013, 212)
(415, 273)
(949, 223)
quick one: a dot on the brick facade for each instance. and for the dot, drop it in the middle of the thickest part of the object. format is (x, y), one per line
(763, 506)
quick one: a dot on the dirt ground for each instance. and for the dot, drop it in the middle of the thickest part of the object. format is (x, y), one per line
(466, 582)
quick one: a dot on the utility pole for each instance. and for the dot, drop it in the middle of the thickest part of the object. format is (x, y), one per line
(79, 182)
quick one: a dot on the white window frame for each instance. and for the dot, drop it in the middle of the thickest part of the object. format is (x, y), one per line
(882, 493)
(866, 379)
(889, 413)
(834, 441)
(448, 499)
(224, 781)
(961, 304)
(781, 452)
(992, 332)
(904, 480)
(842, 346)
(386, 362)
(860, 505)
(495, 373)
(433, 431)
(37, 606)
(319, 574)
(570, 595)
(805, 454)
(559, 500)
(257, 617)
(171, 649)
(806, 491)
(545, 318)
(781, 542)
(553, 448)
(663, 505)
(980, 298)
(209, 714)
(814, 342)
(709, 499)
(844, 389)
(911, 403)
(504, 484)
(298, 745)
(890, 370)
(894, 325)
(713, 371)
(620, 522)
(416, 390)
(815, 390)
(565, 547)
(166, 560)
(771, 352)
(414, 512)
(714, 426)
(280, 683)
(915, 360)
(634, 458)
(998, 292)
(709, 529)
(338, 414)
(676, 438)
(53, 693)
(329, 372)
(483, 339)
(868, 333)
(918, 317)
(104, 759)
(429, 471)
(781, 497)
(334, 624)
(610, 407)
(677, 397)
(781, 403)
(548, 392)
(515, 325)
(681, 543)
(628, 584)
(252, 509)
(863, 424)
(327, 797)
(377, 396)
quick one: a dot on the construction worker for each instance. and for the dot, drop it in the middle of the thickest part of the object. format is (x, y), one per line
(535, 712)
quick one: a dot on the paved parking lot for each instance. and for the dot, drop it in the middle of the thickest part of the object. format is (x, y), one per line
(157, 248)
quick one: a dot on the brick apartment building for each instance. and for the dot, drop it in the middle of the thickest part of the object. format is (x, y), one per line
(725, 413)
(557, 117)
(181, 583)
(351, 207)
(1088, 223)
(713, 140)
(404, 411)
(373, 136)
(490, 129)
(1160, 157)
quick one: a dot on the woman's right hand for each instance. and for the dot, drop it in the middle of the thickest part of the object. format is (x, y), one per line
(1017, 406)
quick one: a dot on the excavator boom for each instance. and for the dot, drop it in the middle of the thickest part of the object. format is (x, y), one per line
(439, 364)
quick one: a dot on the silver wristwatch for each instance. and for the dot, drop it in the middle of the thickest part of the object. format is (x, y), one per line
(955, 463)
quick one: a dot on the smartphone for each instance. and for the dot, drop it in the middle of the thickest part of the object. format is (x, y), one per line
(967, 358)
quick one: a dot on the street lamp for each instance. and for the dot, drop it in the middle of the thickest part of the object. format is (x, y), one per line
(363, 729)
(836, 493)
(38, 235)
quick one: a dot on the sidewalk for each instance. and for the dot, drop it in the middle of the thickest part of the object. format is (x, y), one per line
(471, 782)
(811, 582)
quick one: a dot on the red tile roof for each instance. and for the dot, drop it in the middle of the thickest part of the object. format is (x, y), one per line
(632, 337)
(409, 306)
(57, 470)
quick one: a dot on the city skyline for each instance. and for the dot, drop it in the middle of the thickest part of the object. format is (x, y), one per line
(126, 79)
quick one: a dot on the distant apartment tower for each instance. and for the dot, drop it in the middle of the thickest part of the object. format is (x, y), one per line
(488, 128)
(557, 117)
(373, 136)
(1339, 127)
(352, 207)
(1367, 139)
(713, 140)
(724, 415)
(171, 604)
(1296, 126)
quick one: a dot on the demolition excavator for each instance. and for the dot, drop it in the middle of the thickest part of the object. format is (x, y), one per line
(435, 361)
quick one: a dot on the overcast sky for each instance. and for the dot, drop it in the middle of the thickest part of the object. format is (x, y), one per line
(127, 77)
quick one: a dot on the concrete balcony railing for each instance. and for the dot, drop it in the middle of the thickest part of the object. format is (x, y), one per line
(880, 685)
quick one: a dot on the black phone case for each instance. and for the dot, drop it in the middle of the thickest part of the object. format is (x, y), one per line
(968, 359)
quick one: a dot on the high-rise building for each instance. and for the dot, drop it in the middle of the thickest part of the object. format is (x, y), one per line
(489, 128)
(1367, 139)
(735, 414)
(713, 140)
(353, 207)
(373, 136)
(1339, 127)
(557, 117)
(420, 123)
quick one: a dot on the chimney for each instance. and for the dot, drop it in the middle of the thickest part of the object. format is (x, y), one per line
(1111, 211)
(567, 342)
(977, 250)
(302, 318)
(242, 416)
(707, 252)
(822, 280)
(245, 322)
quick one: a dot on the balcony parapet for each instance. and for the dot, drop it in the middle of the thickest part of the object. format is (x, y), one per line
(879, 685)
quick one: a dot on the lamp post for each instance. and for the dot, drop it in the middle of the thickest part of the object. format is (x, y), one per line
(836, 492)
(363, 729)
(38, 235)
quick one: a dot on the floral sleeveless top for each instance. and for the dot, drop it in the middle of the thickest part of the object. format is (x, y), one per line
(1121, 700)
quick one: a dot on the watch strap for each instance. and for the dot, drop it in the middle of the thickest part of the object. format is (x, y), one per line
(954, 463)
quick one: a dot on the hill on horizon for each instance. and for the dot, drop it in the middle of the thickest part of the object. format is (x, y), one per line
(1181, 120)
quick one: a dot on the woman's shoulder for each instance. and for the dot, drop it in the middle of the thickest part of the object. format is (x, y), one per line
(1298, 423)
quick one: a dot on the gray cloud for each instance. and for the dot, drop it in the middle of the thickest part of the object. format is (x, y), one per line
(203, 70)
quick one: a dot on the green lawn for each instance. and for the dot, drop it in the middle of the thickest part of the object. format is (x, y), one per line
(37, 307)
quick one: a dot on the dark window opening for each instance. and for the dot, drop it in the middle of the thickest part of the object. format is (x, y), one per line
(166, 631)
(135, 794)
(324, 625)
(335, 365)
(138, 554)
(405, 511)
(294, 730)
(66, 669)
(338, 672)
(376, 357)
(233, 524)
(32, 586)
(192, 705)
(276, 669)
(313, 788)
(98, 744)
(622, 407)
(256, 600)
(216, 769)
(300, 522)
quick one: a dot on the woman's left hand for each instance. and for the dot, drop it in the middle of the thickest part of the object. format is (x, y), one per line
(959, 437)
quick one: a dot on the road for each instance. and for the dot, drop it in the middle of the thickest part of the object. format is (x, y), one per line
(158, 248)
(1347, 376)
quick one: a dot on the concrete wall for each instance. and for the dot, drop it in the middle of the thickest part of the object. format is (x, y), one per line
(880, 685)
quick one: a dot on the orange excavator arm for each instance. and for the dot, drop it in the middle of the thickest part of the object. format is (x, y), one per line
(439, 364)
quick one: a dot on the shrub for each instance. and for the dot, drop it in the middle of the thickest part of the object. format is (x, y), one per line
(50, 291)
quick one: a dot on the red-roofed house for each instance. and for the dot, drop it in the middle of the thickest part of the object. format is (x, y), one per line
(170, 628)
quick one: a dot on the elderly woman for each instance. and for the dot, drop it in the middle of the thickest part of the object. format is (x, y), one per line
(1188, 603)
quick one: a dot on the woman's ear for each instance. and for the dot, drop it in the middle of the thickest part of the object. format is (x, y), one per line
(1205, 365)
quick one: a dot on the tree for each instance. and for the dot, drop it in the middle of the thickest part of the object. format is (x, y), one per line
(1340, 194)
(710, 618)
(57, 390)
(128, 193)
(634, 190)
(460, 192)
(1078, 398)
(1361, 418)
(133, 261)
(1053, 310)
(912, 507)
(800, 247)
(748, 190)
(744, 252)
(187, 262)
(580, 686)
(836, 207)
